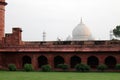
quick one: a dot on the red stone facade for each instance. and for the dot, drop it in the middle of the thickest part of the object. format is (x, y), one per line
(15, 51)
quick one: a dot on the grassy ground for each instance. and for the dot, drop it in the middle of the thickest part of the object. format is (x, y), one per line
(4, 75)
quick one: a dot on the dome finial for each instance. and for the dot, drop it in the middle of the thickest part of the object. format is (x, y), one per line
(81, 22)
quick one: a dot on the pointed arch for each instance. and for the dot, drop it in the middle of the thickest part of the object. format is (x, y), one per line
(26, 60)
(42, 60)
(110, 61)
(74, 61)
(93, 61)
(58, 60)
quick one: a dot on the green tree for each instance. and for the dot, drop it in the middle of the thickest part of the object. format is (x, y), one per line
(46, 68)
(118, 66)
(28, 67)
(116, 31)
(64, 67)
(102, 67)
(12, 67)
(82, 68)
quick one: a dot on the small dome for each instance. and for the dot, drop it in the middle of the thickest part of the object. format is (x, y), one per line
(81, 32)
(69, 38)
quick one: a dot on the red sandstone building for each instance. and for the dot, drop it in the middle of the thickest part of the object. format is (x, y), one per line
(15, 51)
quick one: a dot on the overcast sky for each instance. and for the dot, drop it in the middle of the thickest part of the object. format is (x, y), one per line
(59, 17)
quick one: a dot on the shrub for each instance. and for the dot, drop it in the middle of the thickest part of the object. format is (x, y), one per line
(64, 67)
(82, 68)
(118, 66)
(102, 67)
(46, 68)
(12, 67)
(87, 68)
(28, 67)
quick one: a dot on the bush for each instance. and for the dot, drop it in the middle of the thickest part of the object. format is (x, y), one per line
(102, 67)
(87, 68)
(28, 67)
(12, 67)
(82, 68)
(46, 68)
(118, 66)
(64, 67)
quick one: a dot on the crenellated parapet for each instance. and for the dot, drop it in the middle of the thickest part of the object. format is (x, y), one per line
(14, 38)
(64, 46)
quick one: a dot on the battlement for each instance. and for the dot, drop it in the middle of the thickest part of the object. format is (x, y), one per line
(13, 38)
(13, 41)
(96, 42)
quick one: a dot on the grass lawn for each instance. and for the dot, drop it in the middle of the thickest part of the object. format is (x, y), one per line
(4, 75)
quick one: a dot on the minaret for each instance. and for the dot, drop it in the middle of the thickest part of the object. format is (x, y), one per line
(44, 36)
(2, 18)
(81, 21)
(111, 34)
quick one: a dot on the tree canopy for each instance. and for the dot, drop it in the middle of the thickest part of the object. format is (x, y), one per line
(116, 31)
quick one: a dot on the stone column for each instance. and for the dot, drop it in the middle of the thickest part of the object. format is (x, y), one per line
(83, 59)
(34, 62)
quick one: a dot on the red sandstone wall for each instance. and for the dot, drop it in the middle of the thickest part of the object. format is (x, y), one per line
(16, 58)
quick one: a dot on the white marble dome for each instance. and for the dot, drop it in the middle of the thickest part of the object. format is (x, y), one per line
(81, 32)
